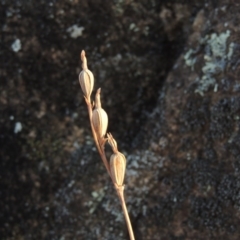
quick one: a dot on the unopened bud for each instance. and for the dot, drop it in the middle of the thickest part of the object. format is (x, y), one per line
(100, 121)
(99, 117)
(86, 78)
(117, 168)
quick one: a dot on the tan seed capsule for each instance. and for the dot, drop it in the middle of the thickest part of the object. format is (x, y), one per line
(118, 167)
(86, 80)
(100, 121)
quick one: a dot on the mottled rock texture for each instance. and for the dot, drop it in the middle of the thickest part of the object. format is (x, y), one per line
(169, 75)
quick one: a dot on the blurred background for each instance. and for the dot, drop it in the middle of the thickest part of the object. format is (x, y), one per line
(52, 182)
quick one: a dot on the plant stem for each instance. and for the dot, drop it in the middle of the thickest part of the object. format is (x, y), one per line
(120, 191)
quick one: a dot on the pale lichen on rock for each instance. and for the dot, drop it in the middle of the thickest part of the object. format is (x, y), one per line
(217, 53)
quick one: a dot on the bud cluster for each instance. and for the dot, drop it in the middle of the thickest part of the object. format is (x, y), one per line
(99, 122)
(99, 119)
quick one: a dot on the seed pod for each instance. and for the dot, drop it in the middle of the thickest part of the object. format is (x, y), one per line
(118, 167)
(86, 80)
(100, 121)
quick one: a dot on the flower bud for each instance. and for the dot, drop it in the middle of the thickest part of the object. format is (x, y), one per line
(117, 168)
(86, 80)
(100, 121)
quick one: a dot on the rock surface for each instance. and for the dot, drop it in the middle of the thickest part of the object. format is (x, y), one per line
(169, 75)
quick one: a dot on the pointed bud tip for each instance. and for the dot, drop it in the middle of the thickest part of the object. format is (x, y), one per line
(112, 142)
(82, 55)
(97, 98)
